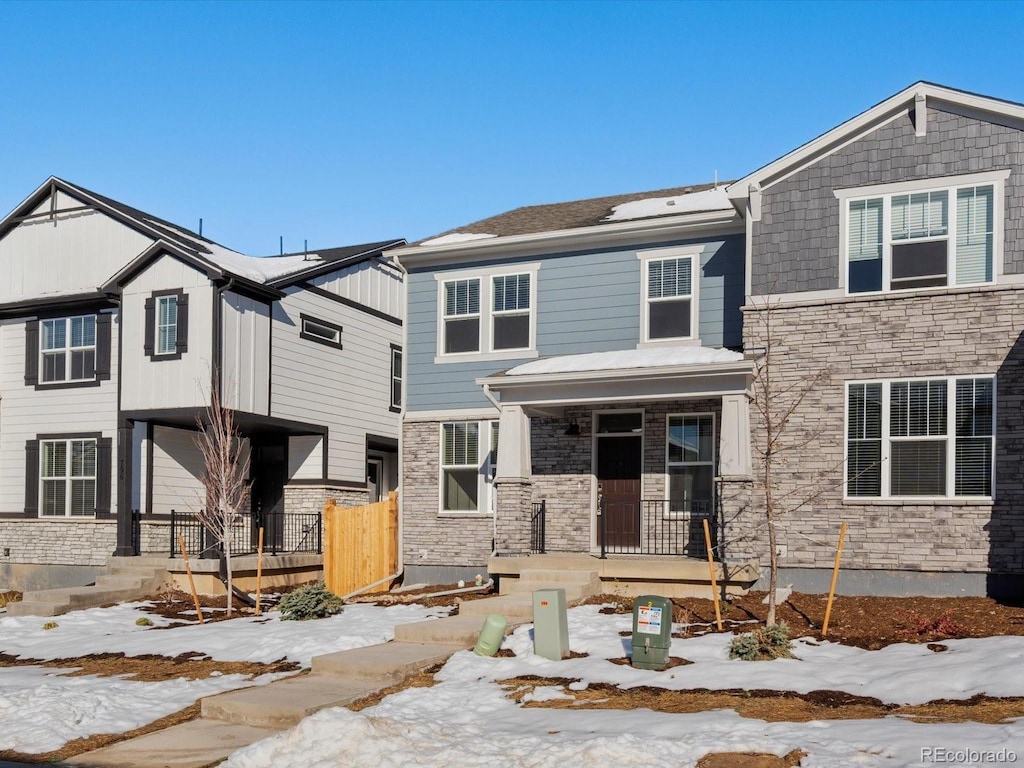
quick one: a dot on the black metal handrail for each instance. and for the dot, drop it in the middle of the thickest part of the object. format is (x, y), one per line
(282, 533)
(659, 527)
(538, 522)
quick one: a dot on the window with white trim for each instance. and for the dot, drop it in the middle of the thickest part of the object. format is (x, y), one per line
(67, 470)
(921, 239)
(669, 298)
(469, 452)
(510, 311)
(396, 378)
(462, 316)
(920, 438)
(167, 325)
(67, 349)
(690, 462)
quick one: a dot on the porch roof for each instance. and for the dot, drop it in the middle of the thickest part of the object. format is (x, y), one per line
(649, 373)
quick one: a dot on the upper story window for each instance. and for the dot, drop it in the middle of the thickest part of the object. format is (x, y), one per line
(916, 235)
(396, 378)
(67, 348)
(166, 325)
(490, 315)
(320, 331)
(930, 438)
(670, 293)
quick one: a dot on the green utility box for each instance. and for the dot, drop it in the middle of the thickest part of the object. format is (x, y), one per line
(550, 624)
(652, 632)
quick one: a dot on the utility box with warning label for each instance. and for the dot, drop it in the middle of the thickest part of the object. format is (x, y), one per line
(652, 632)
(550, 624)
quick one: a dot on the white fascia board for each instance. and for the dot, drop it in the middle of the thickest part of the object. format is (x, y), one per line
(686, 225)
(886, 110)
(503, 383)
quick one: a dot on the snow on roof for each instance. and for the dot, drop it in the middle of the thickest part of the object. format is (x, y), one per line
(456, 237)
(650, 357)
(707, 200)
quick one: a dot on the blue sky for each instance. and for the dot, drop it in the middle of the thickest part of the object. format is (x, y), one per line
(342, 123)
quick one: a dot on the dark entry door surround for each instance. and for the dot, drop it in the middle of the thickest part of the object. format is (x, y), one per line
(619, 467)
(269, 473)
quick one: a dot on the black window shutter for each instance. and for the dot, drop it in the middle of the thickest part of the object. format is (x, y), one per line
(182, 344)
(103, 470)
(103, 326)
(31, 478)
(150, 326)
(31, 353)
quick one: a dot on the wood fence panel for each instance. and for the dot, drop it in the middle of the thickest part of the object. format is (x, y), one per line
(360, 545)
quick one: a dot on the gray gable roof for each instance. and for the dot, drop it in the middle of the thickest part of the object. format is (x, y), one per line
(553, 217)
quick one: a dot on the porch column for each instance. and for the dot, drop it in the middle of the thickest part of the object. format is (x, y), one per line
(126, 545)
(734, 446)
(512, 484)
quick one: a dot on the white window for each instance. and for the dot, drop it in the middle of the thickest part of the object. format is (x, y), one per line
(921, 238)
(490, 315)
(690, 463)
(920, 438)
(167, 325)
(670, 278)
(396, 377)
(68, 349)
(510, 312)
(67, 470)
(468, 457)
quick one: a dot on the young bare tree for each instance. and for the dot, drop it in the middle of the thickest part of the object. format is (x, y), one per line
(776, 400)
(225, 475)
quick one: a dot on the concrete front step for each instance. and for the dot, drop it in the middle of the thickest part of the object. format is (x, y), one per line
(563, 576)
(389, 663)
(518, 607)
(455, 630)
(28, 608)
(288, 701)
(572, 591)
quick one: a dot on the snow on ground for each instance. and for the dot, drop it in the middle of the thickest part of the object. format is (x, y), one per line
(466, 719)
(40, 709)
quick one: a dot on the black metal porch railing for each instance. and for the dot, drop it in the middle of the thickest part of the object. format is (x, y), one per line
(657, 527)
(282, 533)
(537, 527)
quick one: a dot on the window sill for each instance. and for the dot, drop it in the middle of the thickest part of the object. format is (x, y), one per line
(919, 501)
(689, 342)
(68, 384)
(466, 515)
(472, 357)
(69, 519)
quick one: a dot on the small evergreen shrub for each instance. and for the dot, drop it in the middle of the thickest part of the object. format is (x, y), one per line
(313, 601)
(142, 621)
(764, 643)
(51, 625)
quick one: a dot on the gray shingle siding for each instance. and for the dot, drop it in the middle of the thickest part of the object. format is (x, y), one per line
(586, 302)
(796, 244)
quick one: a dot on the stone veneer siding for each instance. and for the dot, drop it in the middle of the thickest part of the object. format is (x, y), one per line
(964, 332)
(562, 477)
(311, 498)
(58, 542)
(796, 244)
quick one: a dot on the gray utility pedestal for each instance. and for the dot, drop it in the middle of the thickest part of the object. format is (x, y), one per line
(550, 624)
(652, 631)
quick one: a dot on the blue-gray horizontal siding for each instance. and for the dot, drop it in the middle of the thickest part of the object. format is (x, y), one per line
(586, 302)
(796, 244)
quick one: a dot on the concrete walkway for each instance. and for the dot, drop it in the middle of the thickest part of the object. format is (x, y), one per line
(236, 719)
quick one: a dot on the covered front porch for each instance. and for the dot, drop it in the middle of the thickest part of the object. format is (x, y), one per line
(620, 454)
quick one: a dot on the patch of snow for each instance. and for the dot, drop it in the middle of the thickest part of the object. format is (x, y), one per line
(706, 200)
(648, 357)
(456, 237)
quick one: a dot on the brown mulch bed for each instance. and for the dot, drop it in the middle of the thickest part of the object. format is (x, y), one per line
(750, 760)
(770, 706)
(865, 622)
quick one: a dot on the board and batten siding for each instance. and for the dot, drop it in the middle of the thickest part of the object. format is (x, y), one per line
(585, 302)
(347, 390)
(156, 383)
(369, 283)
(177, 469)
(245, 354)
(28, 412)
(73, 252)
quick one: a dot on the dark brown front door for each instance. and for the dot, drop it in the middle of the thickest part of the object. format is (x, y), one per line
(618, 478)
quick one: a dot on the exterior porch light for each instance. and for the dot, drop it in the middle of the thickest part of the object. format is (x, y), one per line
(573, 430)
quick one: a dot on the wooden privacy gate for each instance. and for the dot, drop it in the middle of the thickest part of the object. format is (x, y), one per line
(360, 545)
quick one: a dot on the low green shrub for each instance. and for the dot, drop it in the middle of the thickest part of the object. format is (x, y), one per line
(764, 643)
(313, 601)
(51, 625)
(142, 621)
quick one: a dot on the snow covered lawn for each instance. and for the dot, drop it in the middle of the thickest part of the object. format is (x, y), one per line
(466, 719)
(41, 709)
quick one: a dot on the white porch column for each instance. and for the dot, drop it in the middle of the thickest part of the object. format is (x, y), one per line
(513, 444)
(734, 445)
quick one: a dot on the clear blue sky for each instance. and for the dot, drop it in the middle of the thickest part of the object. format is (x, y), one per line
(350, 122)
